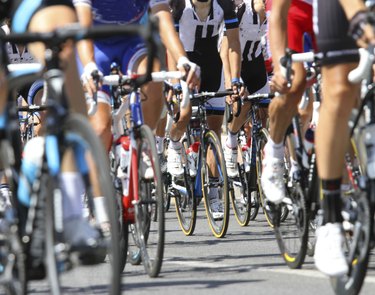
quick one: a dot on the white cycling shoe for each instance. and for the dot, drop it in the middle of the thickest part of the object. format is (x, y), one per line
(174, 162)
(273, 184)
(329, 253)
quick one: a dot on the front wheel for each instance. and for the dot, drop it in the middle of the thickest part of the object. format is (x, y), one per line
(149, 208)
(215, 184)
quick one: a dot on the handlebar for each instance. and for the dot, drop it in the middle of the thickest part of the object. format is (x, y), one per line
(366, 59)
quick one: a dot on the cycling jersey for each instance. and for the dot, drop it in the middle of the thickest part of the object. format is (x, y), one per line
(119, 12)
(13, 51)
(296, 2)
(200, 39)
(253, 70)
(251, 30)
(300, 16)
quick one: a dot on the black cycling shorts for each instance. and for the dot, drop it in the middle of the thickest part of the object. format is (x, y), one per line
(254, 74)
(24, 10)
(331, 30)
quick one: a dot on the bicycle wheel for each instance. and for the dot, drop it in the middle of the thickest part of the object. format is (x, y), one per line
(91, 162)
(239, 191)
(149, 209)
(292, 232)
(12, 260)
(134, 250)
(358, 234)
(185, 202)
(215, 184)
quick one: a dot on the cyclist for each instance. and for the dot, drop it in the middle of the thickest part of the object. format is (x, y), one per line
(253, 23)
(45, 16)
(130, 53)
(332, 132)
(200, 24)
(341, 57)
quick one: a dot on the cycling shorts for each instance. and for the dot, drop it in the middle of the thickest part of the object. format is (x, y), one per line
(211, 77)
(299, 22)
(254, 74)
(24, 11)
(331, 29)
(124, 53)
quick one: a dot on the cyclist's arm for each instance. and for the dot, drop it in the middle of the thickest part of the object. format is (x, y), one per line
(279, 41)
(234, 52)
(85, 48)
(351, 7)
(171, 40)
(225, 59)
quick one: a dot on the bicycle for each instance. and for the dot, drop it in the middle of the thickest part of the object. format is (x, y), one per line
(244, 190)
(42, 227)
(140, 188)
(190, 189)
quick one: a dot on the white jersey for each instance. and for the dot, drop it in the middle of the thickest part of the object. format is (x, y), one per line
(14, 54)
(251, 30)
(196, 34)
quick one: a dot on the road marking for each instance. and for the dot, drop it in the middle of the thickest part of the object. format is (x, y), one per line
(300, 272)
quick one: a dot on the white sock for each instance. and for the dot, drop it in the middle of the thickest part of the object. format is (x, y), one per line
(159, 144)
(232, 140)
(274, 150)
(72, 188)
(176, 145)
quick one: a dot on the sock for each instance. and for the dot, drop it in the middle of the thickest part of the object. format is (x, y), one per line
(72, 189)
(159, 144)
(232, 140)
(176, 145)
(332, 204)
(274, 150)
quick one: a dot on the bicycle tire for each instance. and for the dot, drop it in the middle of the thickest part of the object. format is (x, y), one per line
(239, 191)
(134, 251)
(185, 201)
(351, 283)
(255, 204)
(292, 231)
(218, 227)
(149, 209)
(76, 125)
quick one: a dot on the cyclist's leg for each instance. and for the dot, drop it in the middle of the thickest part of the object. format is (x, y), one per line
(332, 135)
(283, 108)
(255, 79)
(44, 19)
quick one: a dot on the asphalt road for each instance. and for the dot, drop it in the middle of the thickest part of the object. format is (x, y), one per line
(246, 261)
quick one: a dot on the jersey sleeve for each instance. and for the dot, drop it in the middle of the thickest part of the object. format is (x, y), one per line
(230, 17)
(82, 2)
(154, 3)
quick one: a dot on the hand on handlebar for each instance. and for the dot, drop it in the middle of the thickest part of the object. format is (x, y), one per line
(239, 90)
(91, 78)
(279, 82)
(191, 71)
(362, 28)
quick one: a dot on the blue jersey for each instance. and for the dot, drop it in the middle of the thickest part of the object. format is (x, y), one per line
(119, 11)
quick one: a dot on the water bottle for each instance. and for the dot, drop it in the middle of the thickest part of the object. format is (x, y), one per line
(370, 148)
(192, 155)
(246, 157)
(308, 144)
(32, 161)
(123, 170)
